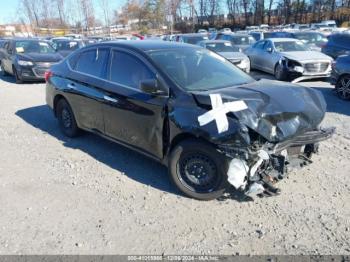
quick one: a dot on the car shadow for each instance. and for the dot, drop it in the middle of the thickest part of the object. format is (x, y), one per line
(9, 79)
(334, 103)
(146, 171)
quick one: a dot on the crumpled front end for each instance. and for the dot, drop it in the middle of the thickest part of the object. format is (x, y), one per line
(264, 163)
(281, 127)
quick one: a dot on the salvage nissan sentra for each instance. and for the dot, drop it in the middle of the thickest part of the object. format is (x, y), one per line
(192, 110)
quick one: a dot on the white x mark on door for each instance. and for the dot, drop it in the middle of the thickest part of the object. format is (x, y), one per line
(219, 111)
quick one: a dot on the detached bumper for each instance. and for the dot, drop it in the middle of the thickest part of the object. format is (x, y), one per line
(311, 137)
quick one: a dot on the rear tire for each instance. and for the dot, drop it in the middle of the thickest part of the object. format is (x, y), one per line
(198, 170)
(280, 73)
(3, 72)
(66, 119)
(342, 88)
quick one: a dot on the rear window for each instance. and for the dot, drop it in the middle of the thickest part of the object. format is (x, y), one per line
(93, 62)
(243, 40)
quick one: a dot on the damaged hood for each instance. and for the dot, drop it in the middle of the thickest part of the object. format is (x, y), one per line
(276, 110)
(302, 56)
(233, 55)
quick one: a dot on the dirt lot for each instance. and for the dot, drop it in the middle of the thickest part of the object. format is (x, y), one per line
(90, 196)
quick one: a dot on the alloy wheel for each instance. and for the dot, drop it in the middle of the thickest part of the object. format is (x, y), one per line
(343, 88)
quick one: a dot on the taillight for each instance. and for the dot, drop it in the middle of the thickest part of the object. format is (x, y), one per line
(48, 74)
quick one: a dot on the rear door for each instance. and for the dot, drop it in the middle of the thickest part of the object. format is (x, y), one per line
(268, 59)
(254, 54)
(84, 87)
(131, 116)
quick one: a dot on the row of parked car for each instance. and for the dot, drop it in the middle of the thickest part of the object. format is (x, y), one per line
(288, 56)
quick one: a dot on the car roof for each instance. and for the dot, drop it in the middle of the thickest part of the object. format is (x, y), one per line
(146, 45)
(191, 34)
(236, 35)
(214, 41)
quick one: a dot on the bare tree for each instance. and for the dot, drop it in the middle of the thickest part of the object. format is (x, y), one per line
(105, 7)
(87, 11)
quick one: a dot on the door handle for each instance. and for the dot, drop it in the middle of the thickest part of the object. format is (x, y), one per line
(110, 99)
(71, 86)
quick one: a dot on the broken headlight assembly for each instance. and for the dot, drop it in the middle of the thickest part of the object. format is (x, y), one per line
(292, 65)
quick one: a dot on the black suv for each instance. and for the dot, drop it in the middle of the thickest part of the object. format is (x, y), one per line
(338, 44)
(27, 59)
(191, 110)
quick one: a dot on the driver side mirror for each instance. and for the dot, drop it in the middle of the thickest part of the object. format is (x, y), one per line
(269, 49)
(153, 87)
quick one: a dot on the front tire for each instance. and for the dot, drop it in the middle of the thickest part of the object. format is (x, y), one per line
(342, 88)
(66, 119)
(198, 170)
(17, 77)
(280, 73)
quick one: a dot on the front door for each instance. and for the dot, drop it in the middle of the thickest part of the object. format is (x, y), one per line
(132, 116)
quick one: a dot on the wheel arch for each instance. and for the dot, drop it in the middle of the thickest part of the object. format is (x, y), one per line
(57, 98)
(186, 136)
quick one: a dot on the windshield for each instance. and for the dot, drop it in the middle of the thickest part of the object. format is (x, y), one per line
(194, 39)
(67, 45)
(221, 47)
(199, 69)
(290, 46)
(243, 40)
(311, 37)
(34, 47)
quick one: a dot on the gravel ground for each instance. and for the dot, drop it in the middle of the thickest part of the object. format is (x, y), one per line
(91, 196)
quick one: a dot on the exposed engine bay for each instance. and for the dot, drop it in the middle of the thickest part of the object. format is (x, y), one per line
(256, 170)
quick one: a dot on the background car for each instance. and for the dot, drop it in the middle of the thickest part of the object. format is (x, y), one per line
(231, 53)
(28, 59)
(341, 76)
(242, 41)
(338, 44)
(193, 39)
(288, 59)
(314, 40)
(66, 46)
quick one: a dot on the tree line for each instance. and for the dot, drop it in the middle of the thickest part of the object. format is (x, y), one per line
(184, 15)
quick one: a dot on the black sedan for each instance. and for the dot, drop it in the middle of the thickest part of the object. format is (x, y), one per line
(191, 110)
(341, 76)
(28, 59)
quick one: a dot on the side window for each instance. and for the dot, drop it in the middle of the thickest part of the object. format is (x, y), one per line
(259, 45)
(93, 62)
(267, 45)
(128, 70)
(72, 61)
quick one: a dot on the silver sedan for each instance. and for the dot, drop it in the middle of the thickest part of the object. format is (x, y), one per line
(288, 59)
